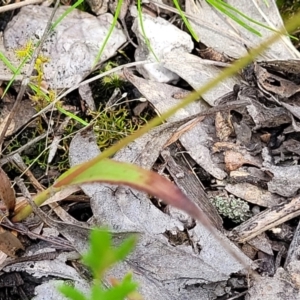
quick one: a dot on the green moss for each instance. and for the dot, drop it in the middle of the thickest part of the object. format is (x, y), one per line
(36, 156)
(111, 125)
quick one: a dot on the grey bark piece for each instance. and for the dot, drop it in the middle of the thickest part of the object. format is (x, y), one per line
(49, 291)
(196, 72)
(253, 194)
(44, 268)
(225, 36)
(197, 141)
(164, 38)
(158, 265)
(285, 181)
(279, 287)
(71, 48)
(162, 275)
(212, 251)
(163, 96)
(262, 243)
(121, 208)
(86, 94)
(293, 252)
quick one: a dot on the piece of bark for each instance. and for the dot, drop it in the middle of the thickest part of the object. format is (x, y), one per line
(7, 193)
(254, 194)
(293, 252)
(279, 287)
(266, 220)
(262, 243)
(266, 264)
(188, 183)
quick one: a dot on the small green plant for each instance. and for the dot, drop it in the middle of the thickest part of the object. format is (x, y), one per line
(100, 258)
(111, 125)
(233, 208)
(113, 80)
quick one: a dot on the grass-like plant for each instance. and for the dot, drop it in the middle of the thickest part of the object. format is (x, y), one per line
(239, 17)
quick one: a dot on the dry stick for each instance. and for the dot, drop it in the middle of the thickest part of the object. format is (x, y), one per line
(19, 4)
(25, 81)
(266, 220)
(35, 208)
(5, 159)
(129, 65)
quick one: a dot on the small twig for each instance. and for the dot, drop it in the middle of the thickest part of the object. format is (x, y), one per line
(18, 5)
(129, 65)
(36, 257)
(238, 296)
(24, 147)
(19, 181)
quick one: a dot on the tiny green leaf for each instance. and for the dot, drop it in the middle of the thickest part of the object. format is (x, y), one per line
(117, 292)
(71, 292)
(100, 256)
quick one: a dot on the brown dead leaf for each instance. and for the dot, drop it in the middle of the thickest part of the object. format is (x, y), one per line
(20, 118)
(184, 128)
(265, 137)
(7, 193)
(9, 243)
(223, 125)
(235, 160)
(275, 84)
(223, 146)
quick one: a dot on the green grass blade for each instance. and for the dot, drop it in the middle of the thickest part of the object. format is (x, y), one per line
(37, 90)
(77, 3)
(69, 114)
(220, 3)
(17, 72)
(185, 20)
(216, 5)
(143, 30)
(7, 63)
(113, 25)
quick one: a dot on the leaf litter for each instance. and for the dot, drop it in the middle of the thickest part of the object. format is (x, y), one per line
(244, 156)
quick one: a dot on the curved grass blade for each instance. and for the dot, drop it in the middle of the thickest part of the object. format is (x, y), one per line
(113, 25)
(77, 3)
(186, 21)
(219, 7)
(220, 4)
(143, 29)
(121, 173)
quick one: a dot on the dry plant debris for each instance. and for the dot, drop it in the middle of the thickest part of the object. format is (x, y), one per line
(234, 152)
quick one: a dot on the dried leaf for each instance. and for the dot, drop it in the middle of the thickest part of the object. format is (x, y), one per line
(235, 160)
(9, 243)
(224, 127)
(7, 193)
